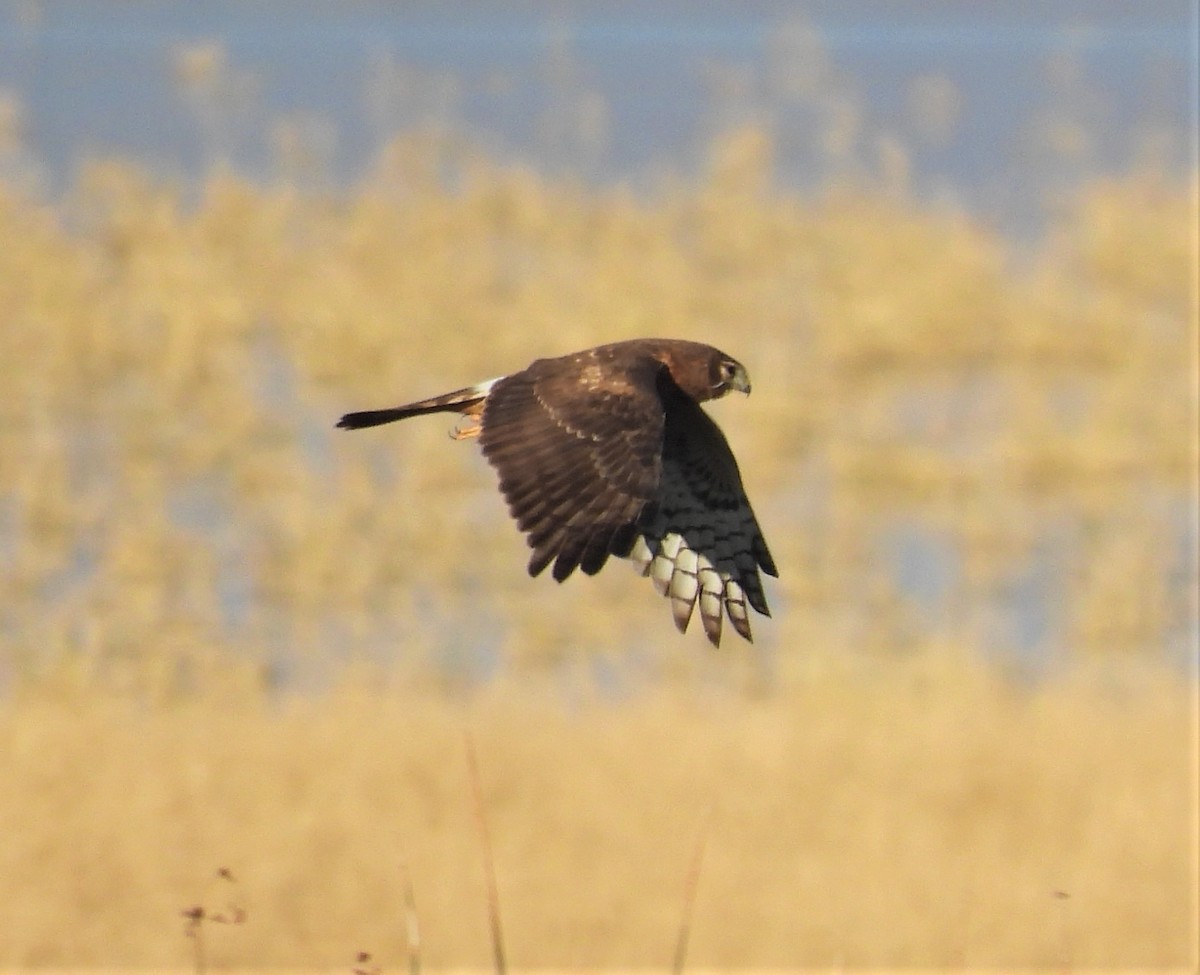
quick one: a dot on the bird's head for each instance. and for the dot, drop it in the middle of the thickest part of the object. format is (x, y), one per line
(700, 371)
(726, 374)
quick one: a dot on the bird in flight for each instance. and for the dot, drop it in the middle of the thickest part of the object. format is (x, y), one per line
(607, 452)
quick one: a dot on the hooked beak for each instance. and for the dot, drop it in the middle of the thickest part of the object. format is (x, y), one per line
(740, 380)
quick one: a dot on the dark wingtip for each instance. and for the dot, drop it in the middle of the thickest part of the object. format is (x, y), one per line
(742, 628)
(537, 562)
(563, 567)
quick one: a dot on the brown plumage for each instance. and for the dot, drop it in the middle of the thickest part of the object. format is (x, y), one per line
(607, 452)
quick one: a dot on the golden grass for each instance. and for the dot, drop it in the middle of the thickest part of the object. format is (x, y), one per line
(158, 357)
(920, 813)
(183, 534)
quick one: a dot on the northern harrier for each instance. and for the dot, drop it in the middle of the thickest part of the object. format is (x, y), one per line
(607, 452)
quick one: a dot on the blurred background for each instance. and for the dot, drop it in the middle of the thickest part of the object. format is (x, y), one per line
(955, 246)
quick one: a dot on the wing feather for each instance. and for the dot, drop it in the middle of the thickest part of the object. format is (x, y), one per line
(578, 461)
(703, 540)
(607, 452)
(601, 457)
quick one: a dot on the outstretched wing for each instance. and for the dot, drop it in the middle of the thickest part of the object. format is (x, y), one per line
(701, 542)
(577, 443)
(606, 452)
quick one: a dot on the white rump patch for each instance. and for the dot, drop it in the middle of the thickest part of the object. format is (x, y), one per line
(485, 387)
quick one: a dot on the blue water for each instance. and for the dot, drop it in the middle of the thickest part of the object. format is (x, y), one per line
(615, 91)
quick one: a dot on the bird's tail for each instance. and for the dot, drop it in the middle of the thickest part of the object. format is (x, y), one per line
(468, 400)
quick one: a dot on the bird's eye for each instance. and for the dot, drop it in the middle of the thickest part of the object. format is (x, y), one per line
(727, 369)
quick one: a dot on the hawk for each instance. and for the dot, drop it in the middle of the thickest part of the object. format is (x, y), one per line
(607, 452)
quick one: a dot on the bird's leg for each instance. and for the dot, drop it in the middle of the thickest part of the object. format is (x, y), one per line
(471, 422)
(467, 428)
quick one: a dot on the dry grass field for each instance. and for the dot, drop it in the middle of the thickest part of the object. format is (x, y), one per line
(921, 814)
(234, 638)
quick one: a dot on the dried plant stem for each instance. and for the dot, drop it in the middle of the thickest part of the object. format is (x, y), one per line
(196, 934)
(412, 928)
(689, 893)
(489, 866)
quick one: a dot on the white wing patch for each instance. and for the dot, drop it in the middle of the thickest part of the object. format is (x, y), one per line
(713, 566)
(688, 577)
